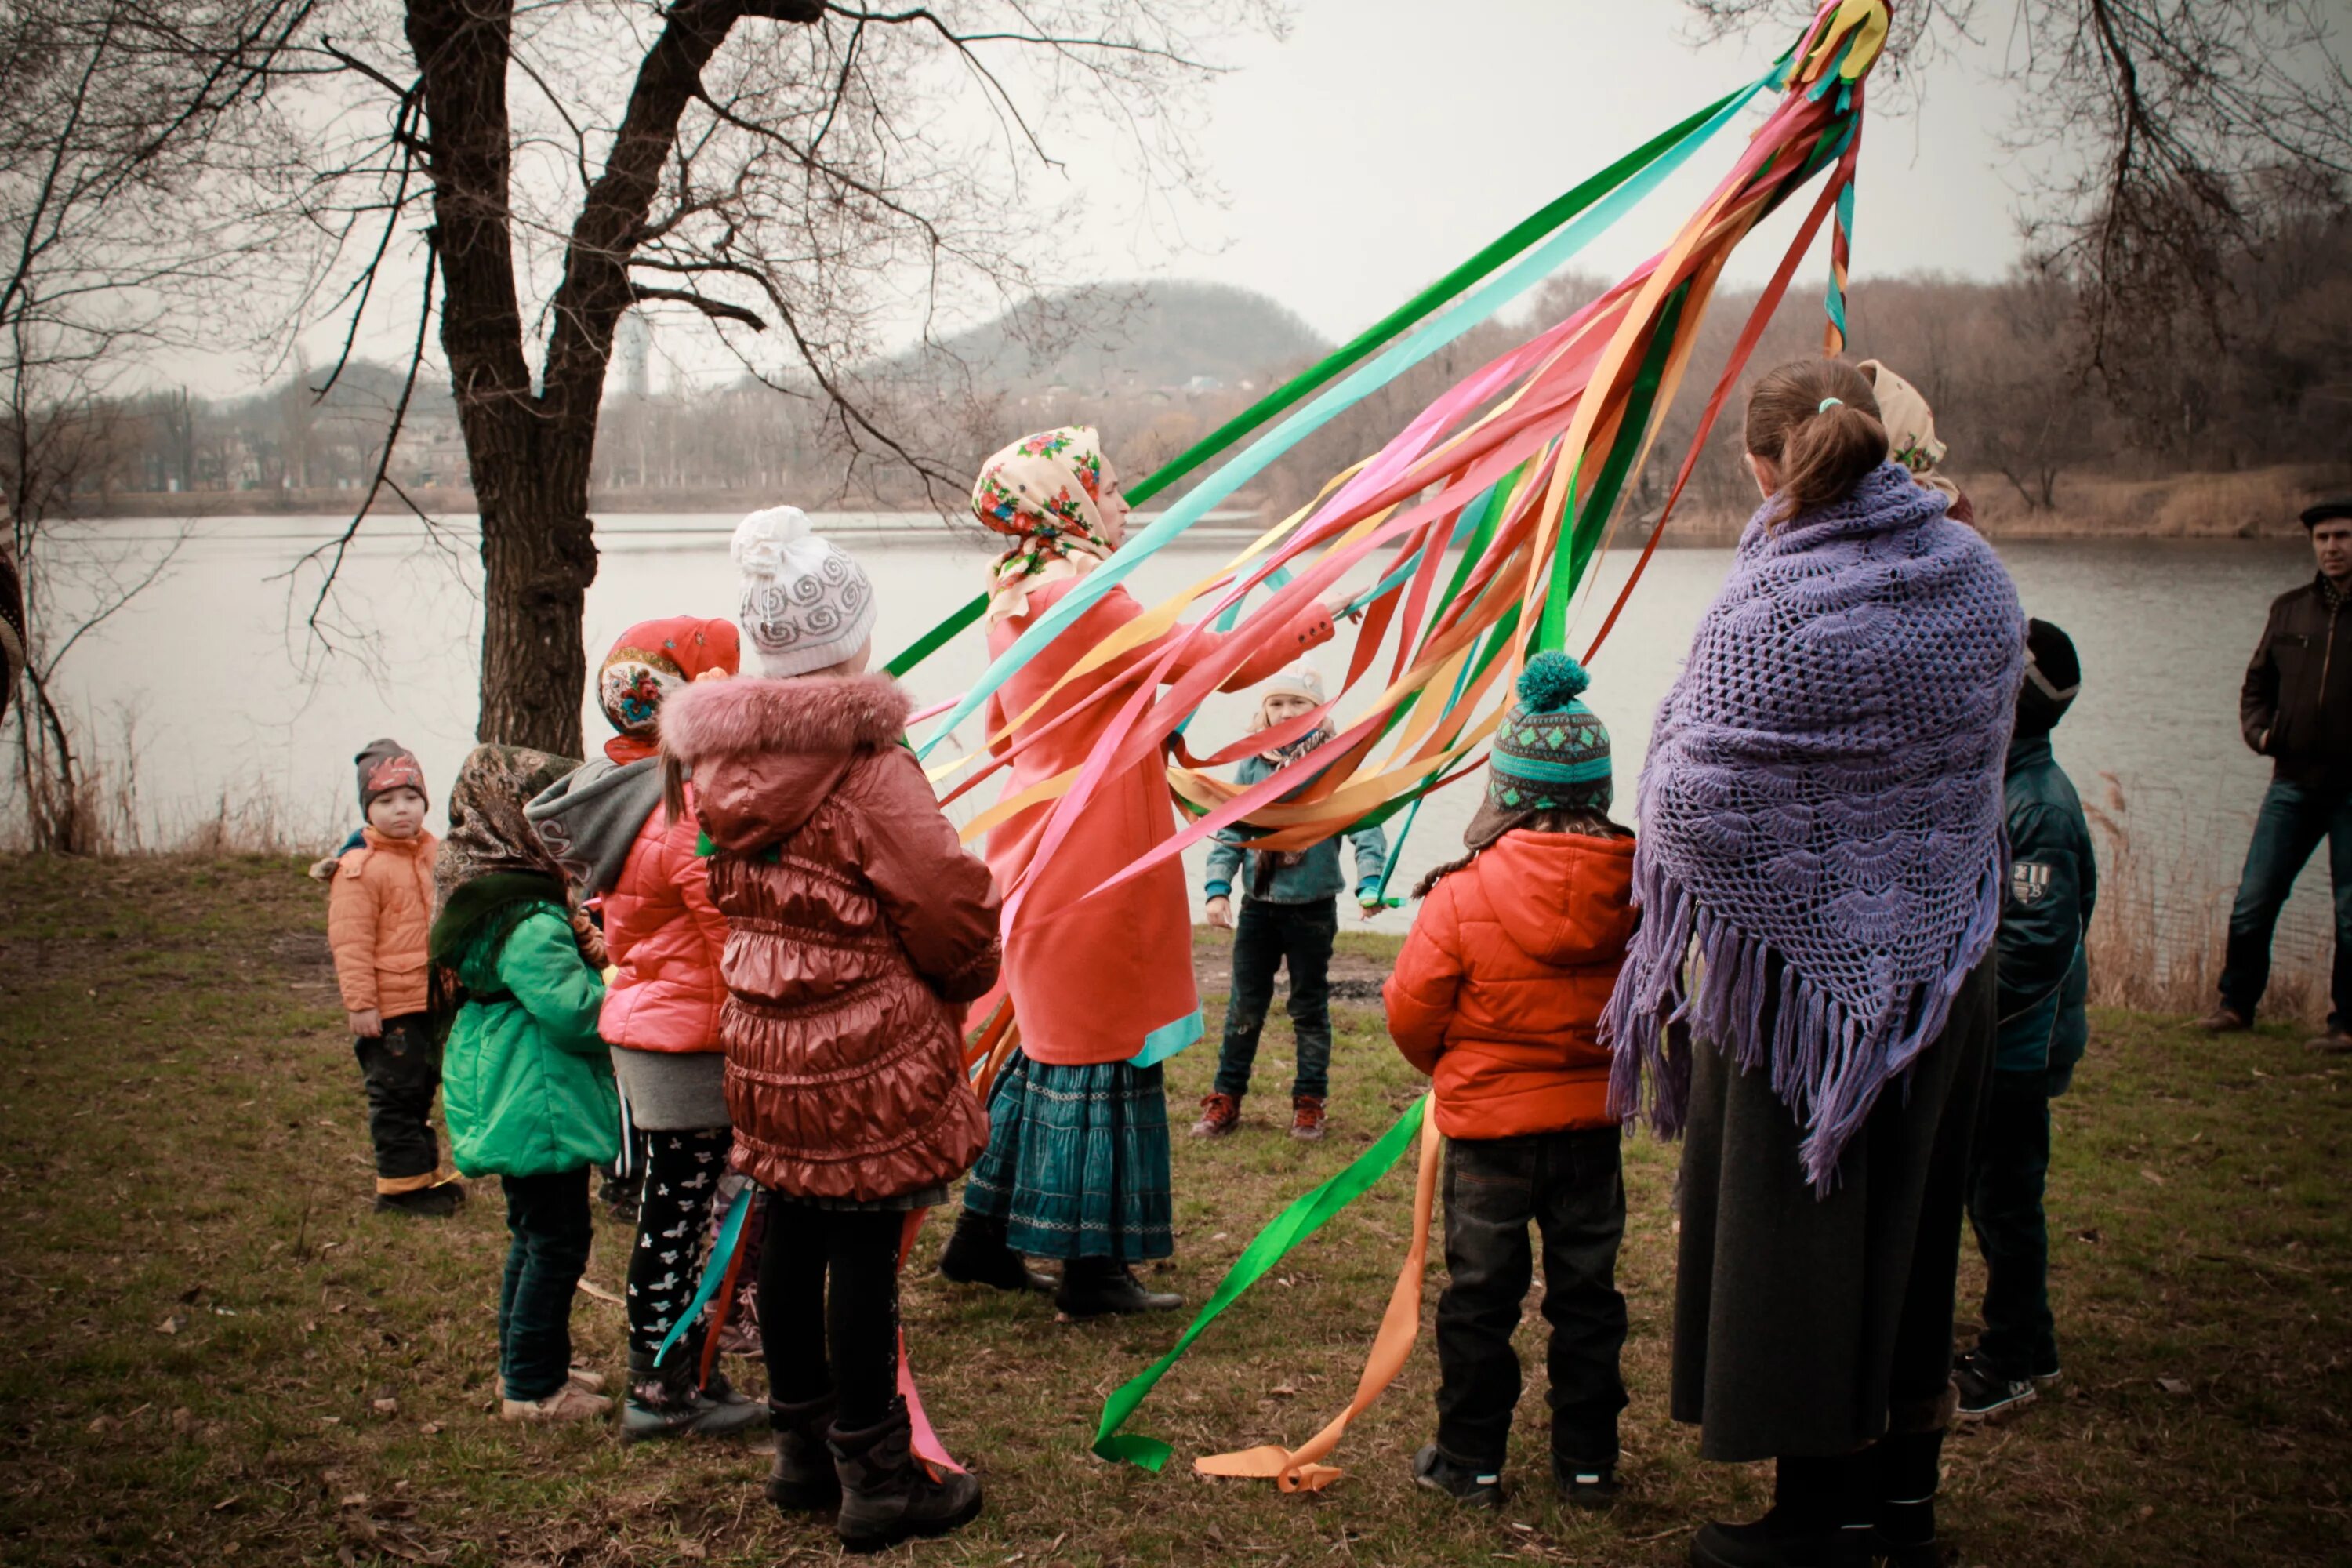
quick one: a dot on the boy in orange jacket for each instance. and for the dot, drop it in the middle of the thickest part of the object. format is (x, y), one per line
(379, 914)
(1496, 996)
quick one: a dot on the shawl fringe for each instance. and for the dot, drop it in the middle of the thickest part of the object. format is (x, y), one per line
(1828, 1068)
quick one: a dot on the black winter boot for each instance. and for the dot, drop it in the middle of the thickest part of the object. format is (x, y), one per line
(976, 1255)
(803, 1479)
(1907, 1466)
(1093, 1287)
(665, 1403)
(1820, 1518)
(888, 1494)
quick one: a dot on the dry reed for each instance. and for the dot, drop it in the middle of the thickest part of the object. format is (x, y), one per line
(2156, 938)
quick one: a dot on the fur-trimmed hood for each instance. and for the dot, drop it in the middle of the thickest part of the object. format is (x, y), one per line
(766, 754)
(745, 716)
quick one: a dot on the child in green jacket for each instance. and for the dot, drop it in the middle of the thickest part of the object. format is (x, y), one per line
(526, 1084)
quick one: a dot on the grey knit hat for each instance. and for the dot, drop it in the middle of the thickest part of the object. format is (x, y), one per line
(807, 605)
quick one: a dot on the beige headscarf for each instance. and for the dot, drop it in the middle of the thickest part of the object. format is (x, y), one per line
(1910, 427)
(1045, 490)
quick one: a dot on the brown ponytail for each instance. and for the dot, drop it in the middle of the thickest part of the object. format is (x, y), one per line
(1818, 420)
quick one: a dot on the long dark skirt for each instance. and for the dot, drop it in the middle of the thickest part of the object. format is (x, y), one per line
(1808, 1325)
(1077, 1161)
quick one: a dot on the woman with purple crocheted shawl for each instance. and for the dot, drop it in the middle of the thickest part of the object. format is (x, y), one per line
(1809, 999)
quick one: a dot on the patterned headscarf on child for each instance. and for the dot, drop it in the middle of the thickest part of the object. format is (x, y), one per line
(1045, 490)
(649, 661)
(492, 856)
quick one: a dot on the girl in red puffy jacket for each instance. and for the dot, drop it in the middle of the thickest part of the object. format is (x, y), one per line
(1497, 995)
(605, 825)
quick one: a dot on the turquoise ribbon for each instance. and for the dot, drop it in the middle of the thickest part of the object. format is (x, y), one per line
(714, 1273)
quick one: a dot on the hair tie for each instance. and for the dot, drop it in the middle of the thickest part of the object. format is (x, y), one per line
(1829, 402)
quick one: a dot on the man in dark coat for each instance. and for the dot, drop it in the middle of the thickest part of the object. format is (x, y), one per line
(2296, 710)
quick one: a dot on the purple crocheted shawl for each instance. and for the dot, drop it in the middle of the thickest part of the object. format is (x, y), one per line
(1822, 812)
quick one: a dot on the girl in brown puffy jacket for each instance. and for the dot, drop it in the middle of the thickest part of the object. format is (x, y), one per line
(856, 924)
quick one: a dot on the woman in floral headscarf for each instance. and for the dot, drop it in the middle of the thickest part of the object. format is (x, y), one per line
(1076, 1165)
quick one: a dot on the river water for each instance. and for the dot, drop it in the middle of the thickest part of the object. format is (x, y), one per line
(227, 696)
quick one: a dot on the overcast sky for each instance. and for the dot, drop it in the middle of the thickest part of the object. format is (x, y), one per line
(1382, 142)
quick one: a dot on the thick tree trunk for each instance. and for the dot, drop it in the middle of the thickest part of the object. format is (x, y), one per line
(531, 452)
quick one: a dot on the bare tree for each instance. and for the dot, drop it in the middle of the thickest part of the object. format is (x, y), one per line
(2163, 123)
(109, 110)
(792, 171)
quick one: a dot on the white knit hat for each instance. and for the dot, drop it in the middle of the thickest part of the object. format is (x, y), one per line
(807, 605)
(1298, 678)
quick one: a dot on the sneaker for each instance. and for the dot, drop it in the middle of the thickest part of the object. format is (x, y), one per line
(566, 1403)
(1581, 1485)
(1985, 1391)
(1436, 1472)
(2334, 1043)
(2224, 1020)
(664, 1401)
(1306, 1117)
(1220, 1114)
(590, 1382)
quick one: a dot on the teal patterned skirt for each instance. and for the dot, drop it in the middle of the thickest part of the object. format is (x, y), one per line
(1077, 1163)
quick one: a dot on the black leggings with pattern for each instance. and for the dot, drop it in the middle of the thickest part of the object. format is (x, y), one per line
(682, 1172)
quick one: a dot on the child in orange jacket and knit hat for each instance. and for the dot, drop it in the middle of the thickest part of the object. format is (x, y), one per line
(379, 914)
(1497, 995)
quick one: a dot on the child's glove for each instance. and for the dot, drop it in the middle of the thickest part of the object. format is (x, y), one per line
(591, 940)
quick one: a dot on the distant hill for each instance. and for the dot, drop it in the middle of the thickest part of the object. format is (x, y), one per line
(1171, 336)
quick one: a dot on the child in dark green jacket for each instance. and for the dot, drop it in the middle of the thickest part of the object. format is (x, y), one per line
(527, 1083)
(2053, 885)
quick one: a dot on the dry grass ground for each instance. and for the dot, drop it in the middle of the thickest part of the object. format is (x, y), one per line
(216, 1353)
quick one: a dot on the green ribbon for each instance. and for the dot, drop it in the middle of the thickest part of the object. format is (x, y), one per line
(1489, 260)
(1293, 1226)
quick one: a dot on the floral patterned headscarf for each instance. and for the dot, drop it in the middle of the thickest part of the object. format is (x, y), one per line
(650, 660)
(1045, 490)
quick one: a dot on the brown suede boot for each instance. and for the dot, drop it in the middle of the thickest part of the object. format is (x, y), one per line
(803, 1479)
(888, 1494)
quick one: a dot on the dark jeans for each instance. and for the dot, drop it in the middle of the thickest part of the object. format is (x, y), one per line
(547, 1218)
(1266, 937)
(2294, 819)
(1569, 1186)
(681, 1180)
(2011, 1161)
(402, 1072)
(845, 1339)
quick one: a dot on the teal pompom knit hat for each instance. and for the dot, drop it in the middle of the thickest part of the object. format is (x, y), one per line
(1551, 753)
